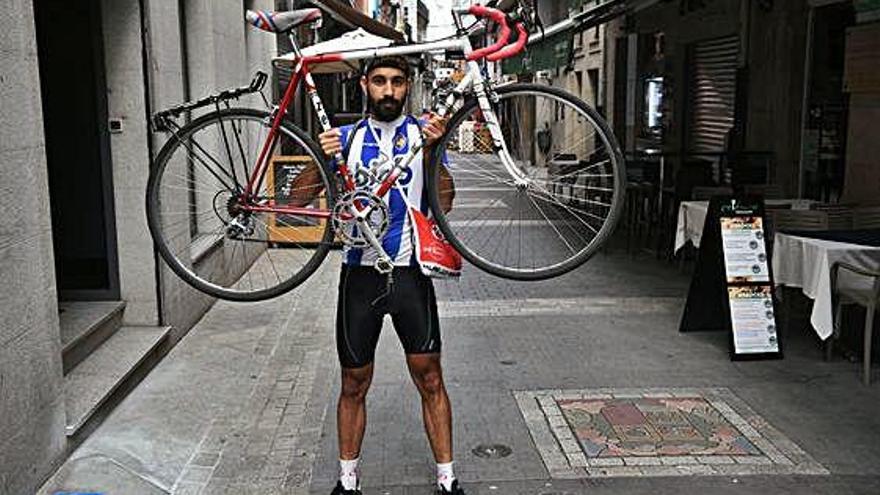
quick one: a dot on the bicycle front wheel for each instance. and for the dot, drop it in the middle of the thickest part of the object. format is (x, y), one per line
(551, 206)
(219, 240)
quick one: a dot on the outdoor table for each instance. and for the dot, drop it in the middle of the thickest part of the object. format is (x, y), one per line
(804, 259)
(692, 216)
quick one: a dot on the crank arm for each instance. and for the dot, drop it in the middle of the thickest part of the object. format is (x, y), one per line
(383, 264)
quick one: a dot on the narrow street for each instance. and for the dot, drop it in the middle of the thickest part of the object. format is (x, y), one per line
(158, 154)
(246, 402)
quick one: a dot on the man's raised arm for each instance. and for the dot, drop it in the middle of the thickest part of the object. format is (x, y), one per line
(434, 129)
(308, 185)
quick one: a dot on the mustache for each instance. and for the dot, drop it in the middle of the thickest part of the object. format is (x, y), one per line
(389, 100)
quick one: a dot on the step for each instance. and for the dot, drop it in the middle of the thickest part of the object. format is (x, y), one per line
(93, 381)
(85, 325)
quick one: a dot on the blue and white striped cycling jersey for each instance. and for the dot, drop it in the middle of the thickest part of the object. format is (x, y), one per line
(365, 153)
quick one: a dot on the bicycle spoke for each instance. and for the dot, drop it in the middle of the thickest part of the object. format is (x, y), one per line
(205, 164)
(508, 234)
(571, 249)
(572, 210)
(196, 212)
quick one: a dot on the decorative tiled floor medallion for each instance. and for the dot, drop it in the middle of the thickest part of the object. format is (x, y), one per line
(656, 432)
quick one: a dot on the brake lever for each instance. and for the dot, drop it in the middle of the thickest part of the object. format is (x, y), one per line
(535, 17)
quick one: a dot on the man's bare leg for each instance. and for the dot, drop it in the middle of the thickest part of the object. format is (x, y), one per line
(427, 374)
(351, 417)
(351, 411)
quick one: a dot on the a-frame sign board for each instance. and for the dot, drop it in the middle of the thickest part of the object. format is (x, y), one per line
(732, 286)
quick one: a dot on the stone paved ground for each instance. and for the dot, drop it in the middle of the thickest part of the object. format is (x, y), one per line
(244, 404)
(610, 324)
(236, 407)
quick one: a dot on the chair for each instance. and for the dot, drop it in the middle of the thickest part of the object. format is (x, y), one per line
(866, 217)
(787, 219)
(861, 296)
(707, 192)
(799, 219)
(766, 191)
(839, 217)
(641, 203)
(562, 169)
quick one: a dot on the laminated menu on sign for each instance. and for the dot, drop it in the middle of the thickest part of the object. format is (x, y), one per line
(753, 320)
(745, 256)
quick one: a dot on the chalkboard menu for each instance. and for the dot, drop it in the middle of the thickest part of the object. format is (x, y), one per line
(732, 287)
(291, 229)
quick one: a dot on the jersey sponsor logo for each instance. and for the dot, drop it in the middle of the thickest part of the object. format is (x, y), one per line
(399, 143)
(434, 250)
(435, 231)
(405, 177)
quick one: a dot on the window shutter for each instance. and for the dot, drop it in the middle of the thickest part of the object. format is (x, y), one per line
(712, 95)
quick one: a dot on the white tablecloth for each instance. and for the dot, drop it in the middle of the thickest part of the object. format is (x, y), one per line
(692, 216)
(806, 263)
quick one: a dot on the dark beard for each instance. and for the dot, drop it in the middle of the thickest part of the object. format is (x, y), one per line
(386, 109)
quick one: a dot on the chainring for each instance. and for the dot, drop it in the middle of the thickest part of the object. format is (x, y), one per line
(345, 223)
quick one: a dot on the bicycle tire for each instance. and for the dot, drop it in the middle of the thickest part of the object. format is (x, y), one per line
(615, 205)
(184, 268)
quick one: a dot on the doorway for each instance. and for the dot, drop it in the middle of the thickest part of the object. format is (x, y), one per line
(74, 97)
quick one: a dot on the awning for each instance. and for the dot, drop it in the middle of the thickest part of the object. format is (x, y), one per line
(549, 53)
(551, 47)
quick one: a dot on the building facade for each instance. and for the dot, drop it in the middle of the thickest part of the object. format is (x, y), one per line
(79, 82)
(761, 84)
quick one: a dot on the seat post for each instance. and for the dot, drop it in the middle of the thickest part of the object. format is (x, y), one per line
(292, 37)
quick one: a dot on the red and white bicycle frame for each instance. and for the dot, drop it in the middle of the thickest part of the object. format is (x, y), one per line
(472, 79)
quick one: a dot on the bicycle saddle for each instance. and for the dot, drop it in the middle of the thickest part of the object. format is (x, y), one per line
(280, 22)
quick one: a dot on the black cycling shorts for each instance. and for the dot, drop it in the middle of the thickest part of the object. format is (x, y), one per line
(363, 303)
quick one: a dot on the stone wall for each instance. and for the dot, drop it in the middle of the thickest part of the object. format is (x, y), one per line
(126, 101)
(776, 52)
(771, 61)
(32, 417)
(215, 51)
(32, 409)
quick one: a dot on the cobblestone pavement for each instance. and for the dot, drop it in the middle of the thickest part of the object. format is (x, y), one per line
(236, 407)
(245, 403)
(612, 325)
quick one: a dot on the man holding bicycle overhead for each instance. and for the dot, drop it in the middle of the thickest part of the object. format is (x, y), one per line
(366, 296)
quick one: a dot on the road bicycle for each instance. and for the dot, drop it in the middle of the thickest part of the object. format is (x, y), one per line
(538, 176)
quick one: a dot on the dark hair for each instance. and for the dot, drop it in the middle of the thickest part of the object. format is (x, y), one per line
(393, 61)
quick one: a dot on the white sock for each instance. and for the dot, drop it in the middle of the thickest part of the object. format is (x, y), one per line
(445, 476)
(348, 473)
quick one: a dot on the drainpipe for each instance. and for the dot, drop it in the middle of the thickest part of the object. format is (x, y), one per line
(148, 111)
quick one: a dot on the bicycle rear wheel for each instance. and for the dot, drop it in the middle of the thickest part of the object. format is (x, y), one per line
(556, 204)
(206, 232)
